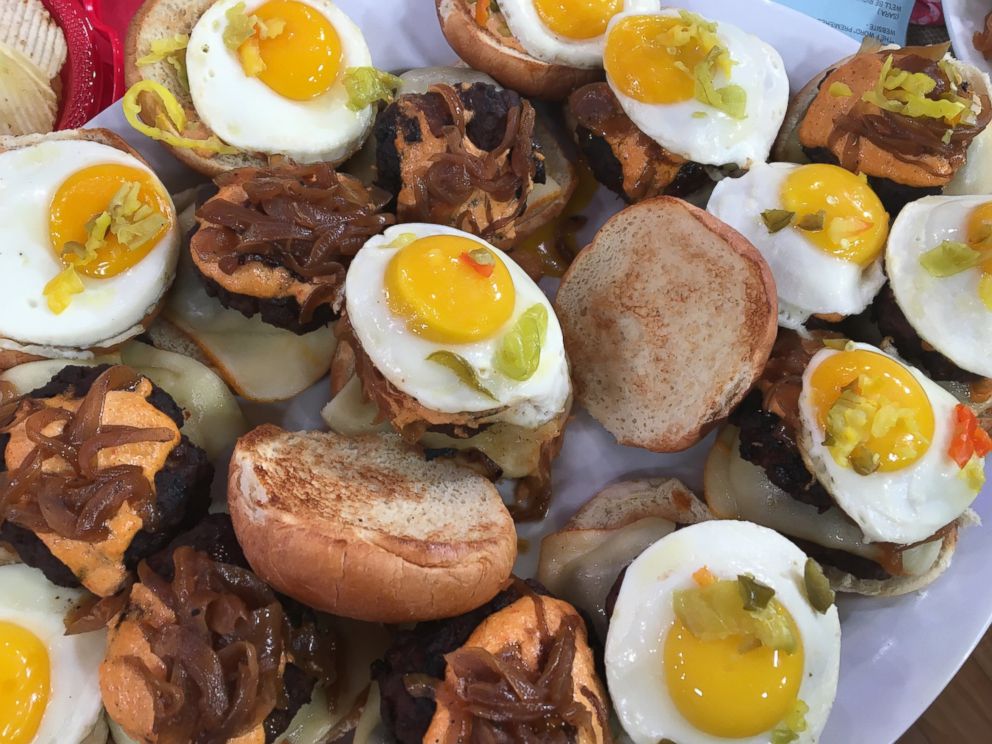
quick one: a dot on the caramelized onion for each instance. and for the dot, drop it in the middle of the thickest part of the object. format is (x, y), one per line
(77, 503)
(910, 139)
(982, 40)
(95, 613)
(223, 654)
(499, 698)
(449, 184)
(308, 219)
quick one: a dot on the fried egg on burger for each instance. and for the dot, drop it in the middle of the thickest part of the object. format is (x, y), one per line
(862, 460)
(236, 81)
(88, 245)
(568, 32)
(704, 90)
(456, 345)
(723, 631)
(822, 230)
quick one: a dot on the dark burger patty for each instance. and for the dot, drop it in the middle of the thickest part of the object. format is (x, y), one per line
(182, 486)
(489, 106)
(608, 170)
(892, 322)
(766, 441)
(421, 651)
(894, 196)
(282, 312)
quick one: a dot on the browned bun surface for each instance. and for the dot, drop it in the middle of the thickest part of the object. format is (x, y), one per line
(366, 528)
(504, 59)
(669, 316)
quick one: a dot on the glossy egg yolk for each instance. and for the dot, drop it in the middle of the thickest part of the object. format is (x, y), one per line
(979, 232)
(855, 224)
(304, 60)
(577, 19)
(724, 691)
(642, 64)
(882, 381)
(86, 194)
(24, 683)
(444, 294)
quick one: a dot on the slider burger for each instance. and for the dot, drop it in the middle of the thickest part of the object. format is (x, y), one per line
(518, 668)
(201, 650)
(858, 458)
(684, 97)
(723, 631)
(95, 475)
(457, 149)
(542, 48)
(90, 245)
(365, 528)
(276, 242)
(821, 229)
(714, 630)
(227, 85)
(937, 307)
(449, 342)
(905, 117)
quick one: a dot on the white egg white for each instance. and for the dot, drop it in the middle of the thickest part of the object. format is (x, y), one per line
(703, 134)
(244, 112)
(644, 614)
(946, 312)
(74, 707)
(902, 506)
(401, 356)
(809, 281)
(542, 43)
(110, 310)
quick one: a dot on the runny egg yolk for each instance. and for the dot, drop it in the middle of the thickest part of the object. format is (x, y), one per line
(724, 691)
(577, 19)
(86, 194)
(24, 683)
(444, 294)
(304, 60)
(642, 64)
(882, 381)
(855, 224)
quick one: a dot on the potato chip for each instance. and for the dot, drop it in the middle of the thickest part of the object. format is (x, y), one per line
(26, 26)
(27, 102)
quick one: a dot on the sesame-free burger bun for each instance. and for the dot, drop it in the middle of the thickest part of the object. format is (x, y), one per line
(365, 527)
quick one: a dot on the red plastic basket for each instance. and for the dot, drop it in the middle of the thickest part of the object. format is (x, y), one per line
(93, 75)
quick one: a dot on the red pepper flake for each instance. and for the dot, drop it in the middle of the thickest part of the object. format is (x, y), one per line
(969, 439)
(480, 260)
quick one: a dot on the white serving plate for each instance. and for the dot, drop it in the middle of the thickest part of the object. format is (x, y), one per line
(898, 654)
(964, 18)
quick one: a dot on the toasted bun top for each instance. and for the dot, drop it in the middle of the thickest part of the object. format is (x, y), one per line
(366, 528)
(503, 59)
(159, 19)
(669, 316)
